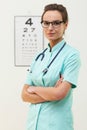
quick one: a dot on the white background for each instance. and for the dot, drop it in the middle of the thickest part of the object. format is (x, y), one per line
(13, 112)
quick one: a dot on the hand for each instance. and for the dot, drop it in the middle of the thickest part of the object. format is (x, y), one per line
(59, 81)
(31, 90)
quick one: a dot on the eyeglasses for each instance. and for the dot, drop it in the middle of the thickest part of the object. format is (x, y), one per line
(55, 24)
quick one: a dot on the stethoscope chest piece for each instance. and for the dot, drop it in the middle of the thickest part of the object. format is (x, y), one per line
(45, 71)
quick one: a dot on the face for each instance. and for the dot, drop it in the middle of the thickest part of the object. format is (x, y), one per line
(54, 33)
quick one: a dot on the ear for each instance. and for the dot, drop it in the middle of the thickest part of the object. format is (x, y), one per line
(66, 24)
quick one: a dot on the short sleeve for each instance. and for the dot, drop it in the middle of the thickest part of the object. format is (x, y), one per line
(71, 69)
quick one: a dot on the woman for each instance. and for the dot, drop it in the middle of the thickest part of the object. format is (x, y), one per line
(53, 75)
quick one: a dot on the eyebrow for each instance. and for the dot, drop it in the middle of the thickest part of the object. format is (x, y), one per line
(52, 21)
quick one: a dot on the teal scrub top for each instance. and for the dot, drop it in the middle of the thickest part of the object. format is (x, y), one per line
(53, 115)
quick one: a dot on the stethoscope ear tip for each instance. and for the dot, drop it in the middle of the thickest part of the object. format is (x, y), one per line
(27, 69)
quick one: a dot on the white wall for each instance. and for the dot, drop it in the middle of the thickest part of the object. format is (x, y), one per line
(13, 111)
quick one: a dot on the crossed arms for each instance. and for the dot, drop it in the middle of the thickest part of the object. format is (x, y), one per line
(40, 94)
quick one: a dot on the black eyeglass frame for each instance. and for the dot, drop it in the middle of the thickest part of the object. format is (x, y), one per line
(55, 23)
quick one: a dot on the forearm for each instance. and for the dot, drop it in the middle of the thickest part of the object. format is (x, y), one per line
(47, 93)
(52, 93)
(31, 97)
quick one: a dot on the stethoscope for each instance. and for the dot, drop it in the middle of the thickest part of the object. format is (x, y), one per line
(43, 55)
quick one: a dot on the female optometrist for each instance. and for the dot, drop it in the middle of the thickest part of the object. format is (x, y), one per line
(53, 76)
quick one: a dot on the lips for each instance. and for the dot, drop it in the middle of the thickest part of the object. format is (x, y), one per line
(50, 34)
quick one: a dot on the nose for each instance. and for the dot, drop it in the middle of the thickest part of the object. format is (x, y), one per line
(50, 26)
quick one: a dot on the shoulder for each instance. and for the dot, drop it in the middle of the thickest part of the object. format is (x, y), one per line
(71, 51)
(72, 54)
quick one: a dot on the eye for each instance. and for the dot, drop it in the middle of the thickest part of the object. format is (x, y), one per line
(46, 23)
(57, 22)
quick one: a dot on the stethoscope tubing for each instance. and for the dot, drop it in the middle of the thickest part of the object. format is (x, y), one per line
(43, 55)
(46, 69)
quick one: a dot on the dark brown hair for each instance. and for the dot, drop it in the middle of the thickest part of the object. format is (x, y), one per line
(56, 7)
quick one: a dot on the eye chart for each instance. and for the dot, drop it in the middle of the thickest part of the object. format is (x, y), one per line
(28, 39)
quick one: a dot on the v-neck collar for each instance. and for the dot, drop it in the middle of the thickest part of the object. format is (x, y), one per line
(56, 47)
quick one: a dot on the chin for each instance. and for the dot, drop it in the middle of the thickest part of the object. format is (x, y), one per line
(51, 38)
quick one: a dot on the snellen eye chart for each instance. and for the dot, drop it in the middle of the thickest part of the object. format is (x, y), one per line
(28, 39)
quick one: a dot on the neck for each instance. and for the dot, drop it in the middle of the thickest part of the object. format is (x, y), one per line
(54, 42)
